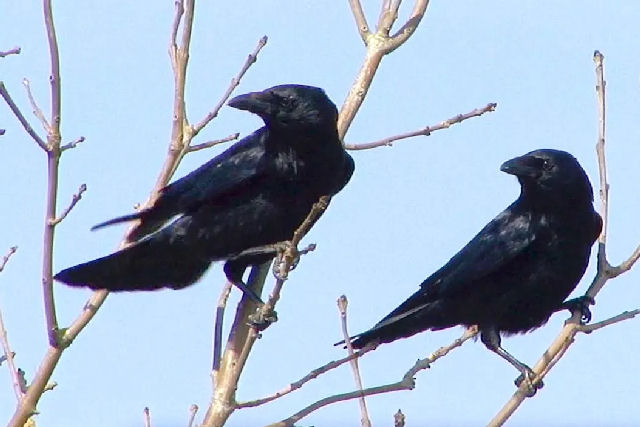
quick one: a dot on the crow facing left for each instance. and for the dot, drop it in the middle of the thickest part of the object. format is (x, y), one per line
(517, 271)
(254, 194)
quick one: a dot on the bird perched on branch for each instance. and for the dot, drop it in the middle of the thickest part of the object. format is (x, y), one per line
(254, 194)
(517, 271)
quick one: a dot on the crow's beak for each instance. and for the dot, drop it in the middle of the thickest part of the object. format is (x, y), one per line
(256, 102)
(523, 166)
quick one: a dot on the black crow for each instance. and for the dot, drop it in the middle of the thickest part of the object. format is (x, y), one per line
(254, 194)
(518, 269)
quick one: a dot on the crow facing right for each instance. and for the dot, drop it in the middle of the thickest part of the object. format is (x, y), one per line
(517, 271)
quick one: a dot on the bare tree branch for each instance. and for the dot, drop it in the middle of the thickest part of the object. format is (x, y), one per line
(5, 259)
(361, 20)
(74, 200)
(378, 46)
(587, 329)
(604, 271)
(72, 144)
(342, 308)
(424, 131)
(398, 419)
(4, 340)
(193, 410)
(210, 144)
(146, 416)
(179, 140)
(310, 376)
(251, 59)
(13, 51)
(23, 121)
(406, 383)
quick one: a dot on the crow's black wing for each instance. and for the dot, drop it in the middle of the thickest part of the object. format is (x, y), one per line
(225, 174)
(493, 248)
(496, 245)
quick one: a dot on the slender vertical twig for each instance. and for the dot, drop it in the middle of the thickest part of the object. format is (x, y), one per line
(342, 308)
(16, 380)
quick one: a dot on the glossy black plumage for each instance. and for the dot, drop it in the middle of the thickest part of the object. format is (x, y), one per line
(518, 269)
(255, 193)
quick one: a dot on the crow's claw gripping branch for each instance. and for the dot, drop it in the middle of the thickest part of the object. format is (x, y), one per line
(581, 305)
(261, 320)
(528, 376)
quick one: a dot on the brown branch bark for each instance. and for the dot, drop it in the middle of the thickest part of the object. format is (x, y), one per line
(406, 383)
(427, 131)
(604, 270)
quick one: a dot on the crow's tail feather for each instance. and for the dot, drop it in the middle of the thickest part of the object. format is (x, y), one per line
(118, 220)
(144, 266)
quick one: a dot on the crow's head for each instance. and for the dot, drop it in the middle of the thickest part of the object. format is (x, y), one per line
(291, 107)
(551, 175)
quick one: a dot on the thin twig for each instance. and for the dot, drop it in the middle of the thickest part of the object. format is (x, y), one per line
(310, 376)
(146, 416)
(251, 59)
(424, 131)
(37, 111)
(361, 20)
(193, 410)
(210, 144)
(5, 259)
(72, 144)
(406, 383)
(6, 347)
(13, 51)
(23, 121)
(342, 308)
(74, 200)
(610, 321)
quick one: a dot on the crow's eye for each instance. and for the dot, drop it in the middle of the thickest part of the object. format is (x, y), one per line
(289, 102)
(547, 165)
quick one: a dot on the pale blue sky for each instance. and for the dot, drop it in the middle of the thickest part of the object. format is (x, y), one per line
(406, 210)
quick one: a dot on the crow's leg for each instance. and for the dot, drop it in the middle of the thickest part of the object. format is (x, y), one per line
(491, 339)
(580, 305)
(234, 270)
